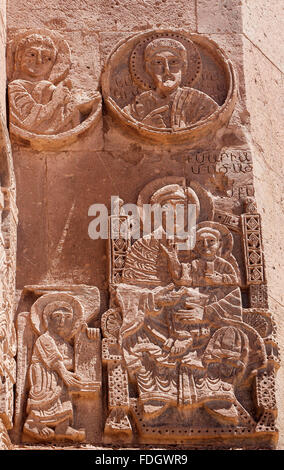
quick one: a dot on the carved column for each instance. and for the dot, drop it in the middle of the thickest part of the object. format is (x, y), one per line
(8, 239)
(8, 228)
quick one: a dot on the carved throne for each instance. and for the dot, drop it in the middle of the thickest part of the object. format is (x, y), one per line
(125, 419)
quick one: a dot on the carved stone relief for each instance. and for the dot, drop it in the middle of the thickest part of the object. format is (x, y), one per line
(179, 345)
(58, 366)
(188, 352)
(44, 109)
(169, 85)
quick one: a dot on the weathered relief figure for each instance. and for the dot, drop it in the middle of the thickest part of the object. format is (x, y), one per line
(208, 269)
(155, 82)
(51, 374)
(169, 104)
(182, 335)
(41, 98)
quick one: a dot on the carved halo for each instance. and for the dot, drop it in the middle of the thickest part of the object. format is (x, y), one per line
(63, 57)
(137, 65)
(39, 306)
(194, 191)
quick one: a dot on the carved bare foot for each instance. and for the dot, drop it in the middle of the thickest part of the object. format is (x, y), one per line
(75, 435)
(181, 346)
(70, 434)
(42, 433)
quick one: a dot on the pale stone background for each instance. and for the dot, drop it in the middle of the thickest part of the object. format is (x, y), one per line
(263, 38)
(251, 33)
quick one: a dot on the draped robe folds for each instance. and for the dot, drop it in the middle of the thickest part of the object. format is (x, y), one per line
(193, 273)
(34, 108)
(160, 375)
(48, 401)
(185, 107)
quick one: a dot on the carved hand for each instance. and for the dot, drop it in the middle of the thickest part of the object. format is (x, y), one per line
(154, 118)
(213, 279)
(173, 262)
(86, 104)
(93, 333)
(62, 94)
(180, 346)
(72, 380)
(169, 249)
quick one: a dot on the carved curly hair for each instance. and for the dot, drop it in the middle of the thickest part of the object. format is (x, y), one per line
(33, 39)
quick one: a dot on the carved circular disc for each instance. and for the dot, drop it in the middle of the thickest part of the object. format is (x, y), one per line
(56, 141)
(110, 323)
(202, 103)
(38, 307)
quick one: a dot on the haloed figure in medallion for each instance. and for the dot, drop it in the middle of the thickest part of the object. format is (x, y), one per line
(169, 104)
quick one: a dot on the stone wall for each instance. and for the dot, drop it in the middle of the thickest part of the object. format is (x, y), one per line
(56, 185)
(263, 68)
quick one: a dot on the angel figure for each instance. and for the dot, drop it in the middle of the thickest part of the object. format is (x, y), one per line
(41, 98)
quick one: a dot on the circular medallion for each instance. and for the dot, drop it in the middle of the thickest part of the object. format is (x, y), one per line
(169, 85)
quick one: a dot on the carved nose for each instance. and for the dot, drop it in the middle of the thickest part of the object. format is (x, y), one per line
(166, 67)
(38, 58)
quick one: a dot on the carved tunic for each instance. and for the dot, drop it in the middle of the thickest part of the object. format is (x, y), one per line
(48, 397)
(193, 274)
(34, 107)
(185, 107)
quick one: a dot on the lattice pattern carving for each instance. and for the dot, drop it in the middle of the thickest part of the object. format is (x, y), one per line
(258, 296)
(254, 262)
(119, 244)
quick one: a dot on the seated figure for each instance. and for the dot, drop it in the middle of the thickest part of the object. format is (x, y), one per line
(170, 310)
(208, 269)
